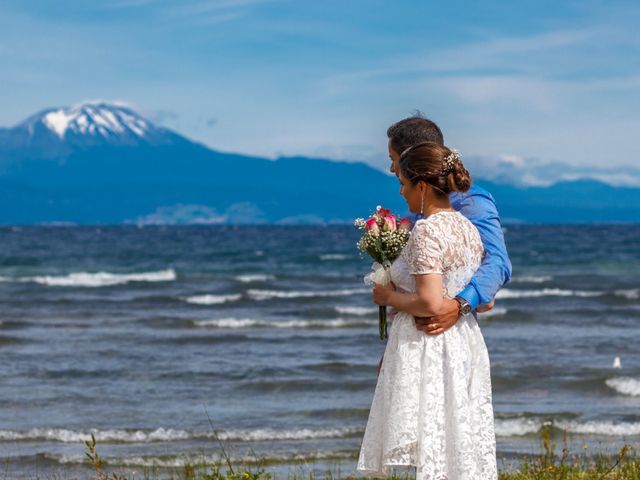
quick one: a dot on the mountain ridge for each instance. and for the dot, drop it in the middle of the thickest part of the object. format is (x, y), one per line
(104, 163)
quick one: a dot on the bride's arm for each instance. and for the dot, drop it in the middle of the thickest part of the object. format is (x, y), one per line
(426, 302)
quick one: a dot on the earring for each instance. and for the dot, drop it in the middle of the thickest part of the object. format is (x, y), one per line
(422, 204)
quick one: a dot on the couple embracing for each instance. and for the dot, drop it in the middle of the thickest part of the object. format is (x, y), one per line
(432, 406)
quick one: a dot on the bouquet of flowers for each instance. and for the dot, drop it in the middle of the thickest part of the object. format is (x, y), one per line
(384, 236)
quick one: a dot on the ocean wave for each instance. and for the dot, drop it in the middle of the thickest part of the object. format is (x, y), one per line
(98, 279)
(494, 312)
(610, 429)
(250, 323)
(356, 310)
(545, 292)
(532, 279)
(624, 385)
(633, 294)
(512, 427)
(254, 277)
(213, 299)
(269, 294)
(171, 435)
(526, 426)
(334, 256)
(178, 461)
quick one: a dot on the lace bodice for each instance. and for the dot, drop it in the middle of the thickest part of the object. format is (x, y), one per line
(446, 243)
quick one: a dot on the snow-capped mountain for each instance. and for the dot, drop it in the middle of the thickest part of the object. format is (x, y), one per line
(59, 131)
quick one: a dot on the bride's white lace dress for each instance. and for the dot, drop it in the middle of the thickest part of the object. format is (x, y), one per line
(432, 404)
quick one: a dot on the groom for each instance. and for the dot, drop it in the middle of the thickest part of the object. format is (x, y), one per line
(480, 208)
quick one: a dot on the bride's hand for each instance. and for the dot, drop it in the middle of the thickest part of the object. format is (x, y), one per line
(381, 293)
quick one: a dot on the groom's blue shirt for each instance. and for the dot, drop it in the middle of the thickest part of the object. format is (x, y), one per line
(479, 206)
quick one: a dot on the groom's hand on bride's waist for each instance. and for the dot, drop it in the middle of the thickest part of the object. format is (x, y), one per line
(447, 318)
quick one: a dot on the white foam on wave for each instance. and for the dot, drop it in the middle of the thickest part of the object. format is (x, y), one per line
(633, 294)
(611, 429)
(269, 294)
(532, 279)
(356, 310)
(512, 427)
(113, 435)
(232, 323)
(625, 385)
(99, 279)
(525, 426)
(213, 299)
(254, 277)
(545, 292)
(334, 256)
(171, 435)
(178, 461)
(494, 312)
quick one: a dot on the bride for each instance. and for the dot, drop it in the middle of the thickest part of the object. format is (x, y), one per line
(432, 404)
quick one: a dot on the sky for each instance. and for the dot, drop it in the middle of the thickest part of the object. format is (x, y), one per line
(538, 90)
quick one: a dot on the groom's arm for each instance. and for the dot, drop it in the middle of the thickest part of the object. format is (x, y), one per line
(495, 271)
(480, 208)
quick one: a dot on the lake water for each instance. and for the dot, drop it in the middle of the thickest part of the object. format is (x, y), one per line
(135, 334)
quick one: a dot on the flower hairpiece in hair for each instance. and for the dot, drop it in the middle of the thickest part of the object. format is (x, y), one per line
(449, 161)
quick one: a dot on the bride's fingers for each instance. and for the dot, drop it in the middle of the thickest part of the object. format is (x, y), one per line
(436, 331)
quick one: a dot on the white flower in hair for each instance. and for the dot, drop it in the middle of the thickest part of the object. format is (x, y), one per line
(449, 161)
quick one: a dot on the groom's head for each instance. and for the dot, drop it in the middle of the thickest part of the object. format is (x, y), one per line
(408, 132)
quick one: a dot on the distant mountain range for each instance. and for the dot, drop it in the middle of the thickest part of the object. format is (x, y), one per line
(103, 163)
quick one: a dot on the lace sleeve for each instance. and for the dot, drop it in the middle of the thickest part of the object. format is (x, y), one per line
(424, 253)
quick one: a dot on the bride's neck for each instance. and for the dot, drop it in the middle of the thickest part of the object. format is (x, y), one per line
(437, 204)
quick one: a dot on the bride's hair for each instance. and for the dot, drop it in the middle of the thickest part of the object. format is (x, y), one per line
(436, 165)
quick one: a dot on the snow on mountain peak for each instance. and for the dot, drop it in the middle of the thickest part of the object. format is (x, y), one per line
(97, 118)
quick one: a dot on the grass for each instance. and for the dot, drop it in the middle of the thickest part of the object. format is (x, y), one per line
(550, 465)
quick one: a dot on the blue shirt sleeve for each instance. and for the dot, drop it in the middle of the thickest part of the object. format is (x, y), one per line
(479, 206)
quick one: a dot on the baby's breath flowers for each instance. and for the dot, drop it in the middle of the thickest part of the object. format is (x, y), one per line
(383, 238)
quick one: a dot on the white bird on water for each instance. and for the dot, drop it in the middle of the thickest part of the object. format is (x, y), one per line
(616, 363)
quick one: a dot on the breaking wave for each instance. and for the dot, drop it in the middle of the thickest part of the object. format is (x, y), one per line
(97, 279)
(213, 299)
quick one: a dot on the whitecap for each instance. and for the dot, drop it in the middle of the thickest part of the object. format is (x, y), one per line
(356, 310)
(624, 385)
(170, 435)
(100, 279)
(494, 312)
(254, 277)
(516, 426)
(178, 461)
(600, 427)
(228, 323)
(233, 323)
(334, 256)
(628, 294)
(545, 292)
(532, 279)
(111, 435)
(268, 294)
(213, 299)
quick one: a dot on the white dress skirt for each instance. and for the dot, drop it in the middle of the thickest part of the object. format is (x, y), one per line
(432, 404)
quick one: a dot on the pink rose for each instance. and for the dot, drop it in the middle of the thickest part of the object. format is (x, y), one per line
(383, 212)
(372, 226)
(405, 224)
(389, 223)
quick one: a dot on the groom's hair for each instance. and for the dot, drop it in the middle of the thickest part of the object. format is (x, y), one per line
(413, 130)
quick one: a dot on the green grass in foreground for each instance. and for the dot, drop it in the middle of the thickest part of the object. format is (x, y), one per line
(550, 465)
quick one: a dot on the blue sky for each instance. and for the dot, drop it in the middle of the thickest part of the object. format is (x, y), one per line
(555, 85)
